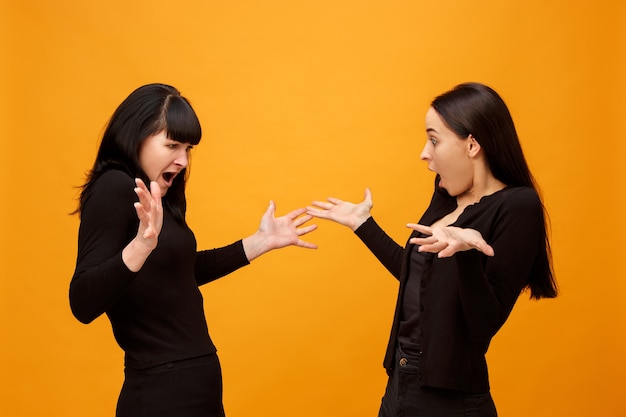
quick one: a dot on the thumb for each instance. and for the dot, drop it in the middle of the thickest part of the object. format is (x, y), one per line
(271, 208)
(368, 196)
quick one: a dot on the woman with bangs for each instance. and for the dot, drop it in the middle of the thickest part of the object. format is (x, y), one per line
(480, 243)
(137, 259)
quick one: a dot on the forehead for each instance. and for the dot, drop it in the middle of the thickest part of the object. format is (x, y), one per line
(435, 124)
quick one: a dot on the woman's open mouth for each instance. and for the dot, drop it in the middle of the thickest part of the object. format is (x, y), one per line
(168, 177)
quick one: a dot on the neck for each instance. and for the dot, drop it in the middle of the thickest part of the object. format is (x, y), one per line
(480, 189)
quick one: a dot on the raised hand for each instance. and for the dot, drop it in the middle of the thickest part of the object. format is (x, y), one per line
(445, 241)
(150, 213)
(343, 212)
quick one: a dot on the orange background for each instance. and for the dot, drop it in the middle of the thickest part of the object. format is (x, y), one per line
(300, 100)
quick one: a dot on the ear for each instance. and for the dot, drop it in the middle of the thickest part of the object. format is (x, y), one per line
(473, 147)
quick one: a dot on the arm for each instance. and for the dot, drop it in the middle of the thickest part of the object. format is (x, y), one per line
(386, 250)
(489, 292)
(489, 286)
(116, 236)
(216, 263)
(273, 233)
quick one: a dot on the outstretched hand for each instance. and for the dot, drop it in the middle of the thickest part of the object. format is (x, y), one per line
(285, 231)
(445, 241)
(343, 212)
(150, 213)
(278, 232)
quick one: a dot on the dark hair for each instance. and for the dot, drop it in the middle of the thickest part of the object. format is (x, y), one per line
(148, 110)
(476, 109)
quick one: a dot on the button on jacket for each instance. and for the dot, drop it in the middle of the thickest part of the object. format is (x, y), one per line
(466, 298)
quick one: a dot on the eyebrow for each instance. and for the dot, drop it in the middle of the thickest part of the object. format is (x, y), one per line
(431, 130)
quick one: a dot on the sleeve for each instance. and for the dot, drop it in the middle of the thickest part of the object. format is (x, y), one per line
(386, 250)
(490, 286)
(108, 223)
(216, 263)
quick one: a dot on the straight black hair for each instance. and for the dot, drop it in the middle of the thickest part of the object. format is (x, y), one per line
(476, 109)
(148, 110)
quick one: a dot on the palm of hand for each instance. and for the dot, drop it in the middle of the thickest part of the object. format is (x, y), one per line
(280, 231)
(150, 213)
(343, 212)
(286, 230)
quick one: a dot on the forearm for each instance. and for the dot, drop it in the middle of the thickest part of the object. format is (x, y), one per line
(386, 250)
(212, 264)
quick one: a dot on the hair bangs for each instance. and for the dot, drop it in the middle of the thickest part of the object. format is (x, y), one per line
(181, 122)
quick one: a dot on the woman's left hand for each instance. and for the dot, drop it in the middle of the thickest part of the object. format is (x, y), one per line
(445, 241)
(279, 232)
(285, 231)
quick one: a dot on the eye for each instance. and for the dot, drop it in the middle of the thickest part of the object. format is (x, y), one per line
(433, 140)
(173, 145)
(189, 148)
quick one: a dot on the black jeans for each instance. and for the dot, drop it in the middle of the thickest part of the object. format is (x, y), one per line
(187, 388)
(405, 398)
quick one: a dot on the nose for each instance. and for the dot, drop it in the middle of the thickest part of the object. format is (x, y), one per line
(182, 159)
(425, 155)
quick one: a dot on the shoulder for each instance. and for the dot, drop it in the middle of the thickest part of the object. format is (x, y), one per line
(521, 198)
(112, 186)
(519, 204)
(115, 180)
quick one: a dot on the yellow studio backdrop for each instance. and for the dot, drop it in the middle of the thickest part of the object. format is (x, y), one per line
(301, 100)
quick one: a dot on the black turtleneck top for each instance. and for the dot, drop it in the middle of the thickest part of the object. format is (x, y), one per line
(157, 314)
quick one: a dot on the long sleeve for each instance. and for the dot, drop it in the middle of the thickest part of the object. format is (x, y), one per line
(386, 250)
(215, 263)
(108, 223)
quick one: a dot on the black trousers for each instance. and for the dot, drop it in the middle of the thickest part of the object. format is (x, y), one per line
(404, 397)
(187, 388)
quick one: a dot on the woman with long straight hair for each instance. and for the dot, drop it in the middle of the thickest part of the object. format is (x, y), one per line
(138, 263)
(480, 243)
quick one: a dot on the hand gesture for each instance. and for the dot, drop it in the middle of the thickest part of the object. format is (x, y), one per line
(445, 241)
(278, 232)
(150, 212)
(343, 212)
(285, 231)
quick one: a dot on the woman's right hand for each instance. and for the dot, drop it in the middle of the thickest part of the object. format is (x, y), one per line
(150, 213)
(343, 212)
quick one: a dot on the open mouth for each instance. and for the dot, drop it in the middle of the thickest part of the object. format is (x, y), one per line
(168, 177)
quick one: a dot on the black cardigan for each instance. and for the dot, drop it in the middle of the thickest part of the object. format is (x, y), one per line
(466, 298)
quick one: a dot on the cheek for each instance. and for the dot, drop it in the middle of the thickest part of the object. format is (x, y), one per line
(144, 162)
(150, 165)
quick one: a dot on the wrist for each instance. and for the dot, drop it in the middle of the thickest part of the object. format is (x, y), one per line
(255, 245)
(359, 221)
(135, 254)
